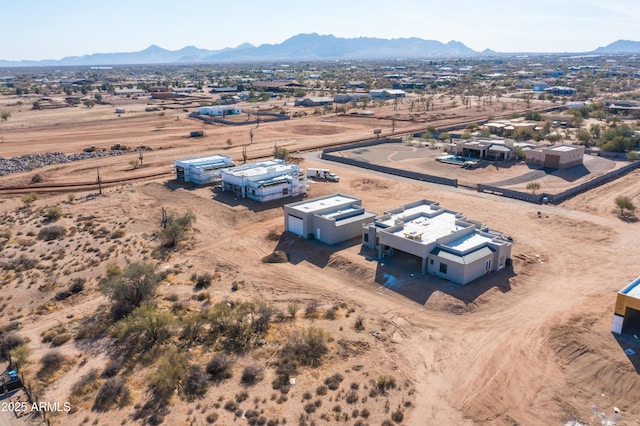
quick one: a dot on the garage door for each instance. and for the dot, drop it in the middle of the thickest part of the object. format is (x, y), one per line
(295, 225)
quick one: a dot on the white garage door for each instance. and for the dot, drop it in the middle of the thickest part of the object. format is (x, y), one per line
(295, 225)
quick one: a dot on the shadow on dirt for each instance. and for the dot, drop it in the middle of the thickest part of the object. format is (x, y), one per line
(400, 273)
(630, 345)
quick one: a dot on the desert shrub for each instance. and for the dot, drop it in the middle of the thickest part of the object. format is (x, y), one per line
(359, 324)
(195, 384)
(212, 418)
(306, 347)
(53, 232)
(53, 213)
(8, 342)
(387, 422)
(19, 355)
(311, 310)
(87, 383)
(50, 363)
(62, 295)
(60, 339)
(37, 178)
(202, 281)
(309, 408)
(118, 233)
(29, 199)
(330, 314)
(365, 413)
(242, 396)
(112, 368)
(352, 397)
(168, 376)
(307, 395)
(231, 406)
(176, 230)
(219, 368)
(321, 390)
(112, 392)
(385, 383)
(77, 285)
(334, 381)
(251, 375)
(397, 416)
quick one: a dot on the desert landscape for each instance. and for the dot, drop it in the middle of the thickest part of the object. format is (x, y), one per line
(252, 324)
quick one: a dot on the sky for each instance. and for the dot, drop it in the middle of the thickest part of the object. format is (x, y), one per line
(48, 29)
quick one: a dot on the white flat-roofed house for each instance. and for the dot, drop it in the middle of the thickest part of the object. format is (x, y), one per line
(330, 219)
(219, 110)
(265, 180)
(449, 245)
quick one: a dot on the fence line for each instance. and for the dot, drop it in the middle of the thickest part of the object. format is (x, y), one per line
(503, 192)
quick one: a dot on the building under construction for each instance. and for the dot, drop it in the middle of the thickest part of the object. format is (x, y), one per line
(265, 180)
(201, 170)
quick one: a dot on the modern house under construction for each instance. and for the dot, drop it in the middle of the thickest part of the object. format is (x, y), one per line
(201, 170)
(265, 180)
(626, 317)
(448, 244)
(330, 219)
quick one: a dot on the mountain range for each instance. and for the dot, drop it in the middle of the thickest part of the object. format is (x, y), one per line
(299, 47)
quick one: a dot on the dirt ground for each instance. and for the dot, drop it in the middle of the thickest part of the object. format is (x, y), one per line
(530, 345)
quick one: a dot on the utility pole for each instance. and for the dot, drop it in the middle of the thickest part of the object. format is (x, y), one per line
(140, 157)
(99, 182)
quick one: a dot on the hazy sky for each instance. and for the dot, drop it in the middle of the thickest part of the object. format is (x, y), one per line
(52, 29)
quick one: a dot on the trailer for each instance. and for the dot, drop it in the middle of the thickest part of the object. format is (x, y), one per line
(323, 174)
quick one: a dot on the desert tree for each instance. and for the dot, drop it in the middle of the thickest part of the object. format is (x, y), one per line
(4, 115)
(533, 187)
(130, 287)
(625, 205)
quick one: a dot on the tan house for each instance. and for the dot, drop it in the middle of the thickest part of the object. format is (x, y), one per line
(556, 157)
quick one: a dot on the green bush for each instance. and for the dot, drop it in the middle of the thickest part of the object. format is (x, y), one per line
(53, 213)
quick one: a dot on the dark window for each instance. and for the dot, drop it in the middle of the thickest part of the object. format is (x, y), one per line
(431, 261)
(443, 268)
(366, 238)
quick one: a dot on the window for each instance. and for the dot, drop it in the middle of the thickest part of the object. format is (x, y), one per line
(366, 238)
(488, 265)
(285, 191)
(443, 268)
(431, 260)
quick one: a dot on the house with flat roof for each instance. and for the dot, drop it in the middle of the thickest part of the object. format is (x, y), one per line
(484, 148)
(626, 316)
(201, 170)
(556, 156)
(265, 180)
(561, 90)
(448, 244)
(330, 219)
(219, 110)
(387, 93)
(314, 101)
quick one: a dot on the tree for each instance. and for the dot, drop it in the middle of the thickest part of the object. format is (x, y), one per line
(584, 136)
(624, 203)
(128, 288)
(4, 115)
(89, 103)
(533, 187)
(145, 328)
(229, 143)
